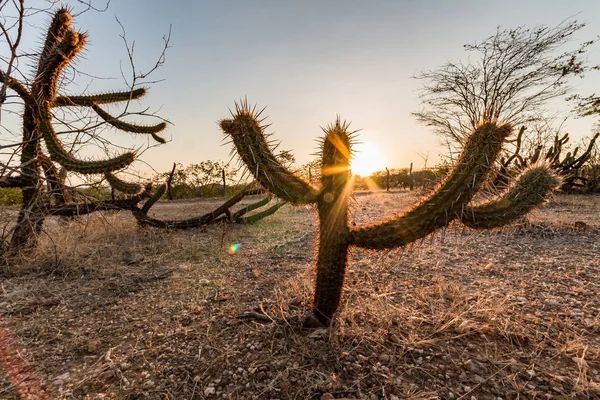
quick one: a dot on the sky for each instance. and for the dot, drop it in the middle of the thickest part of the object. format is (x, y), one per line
(305, 61)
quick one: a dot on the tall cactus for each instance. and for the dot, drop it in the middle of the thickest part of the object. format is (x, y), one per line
(62, 44)
(450, 201)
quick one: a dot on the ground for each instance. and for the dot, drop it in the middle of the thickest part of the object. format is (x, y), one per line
(104, 309)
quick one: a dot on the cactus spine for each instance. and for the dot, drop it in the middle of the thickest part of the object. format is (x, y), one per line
(449, 202)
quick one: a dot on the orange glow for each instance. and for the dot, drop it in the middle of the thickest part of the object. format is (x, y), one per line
(368, 158)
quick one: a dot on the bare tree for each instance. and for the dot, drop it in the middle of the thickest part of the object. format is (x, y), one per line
(511, 77)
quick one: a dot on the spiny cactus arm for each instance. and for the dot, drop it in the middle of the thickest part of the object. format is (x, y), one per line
(61, 23)
(536, 154)
(251, 219)
(133, 128)
(95, 99)
(61, 156)
(254, 150)
(14, 85)
(121, 185)
(45, 85)
(333, 216)
(447, 202)
(240, 213)
(528, 191)
(160, 191)
(583, 158)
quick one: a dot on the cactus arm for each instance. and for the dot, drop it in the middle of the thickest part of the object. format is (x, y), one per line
(61, 156)
(14, 85)
(251, 219)
(60, 25)
(238, 215)
(123, 186)
(528, 191)
(95, 99)
(208, 218)
(249, 140)
(333, 215)
(133, 128)
(447, 202)
(578, 163)
(160, 191)
(45, 85)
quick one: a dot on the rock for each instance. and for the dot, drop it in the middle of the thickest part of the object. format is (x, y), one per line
(475, 366)
(209, 391)
(92, 346)
(148, 384)
(327, 396)
(552, 302)
(384, 358)
(203, 281)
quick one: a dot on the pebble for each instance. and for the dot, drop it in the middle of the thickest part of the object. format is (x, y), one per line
(209, 391)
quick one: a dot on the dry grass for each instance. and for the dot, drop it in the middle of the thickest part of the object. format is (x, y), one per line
(512, 313)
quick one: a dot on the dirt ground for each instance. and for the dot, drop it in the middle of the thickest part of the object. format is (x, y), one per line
(104, 309)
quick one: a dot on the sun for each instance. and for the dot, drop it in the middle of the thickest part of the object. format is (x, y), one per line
(367, 159)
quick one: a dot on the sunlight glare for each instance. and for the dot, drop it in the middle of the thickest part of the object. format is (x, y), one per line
(368, 158)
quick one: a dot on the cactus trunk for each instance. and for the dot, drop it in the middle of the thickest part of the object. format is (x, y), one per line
(333, 214)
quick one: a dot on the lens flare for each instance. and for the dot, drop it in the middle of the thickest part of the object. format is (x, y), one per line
(233, 248)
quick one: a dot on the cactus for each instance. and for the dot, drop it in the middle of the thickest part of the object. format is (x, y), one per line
(569, 167)
(123, 186)
(450, 201)
(219, 214)
(61, 46)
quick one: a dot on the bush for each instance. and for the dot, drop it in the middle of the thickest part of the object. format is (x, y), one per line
(10, 196)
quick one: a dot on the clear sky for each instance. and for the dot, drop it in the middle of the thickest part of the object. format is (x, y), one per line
(306, 61)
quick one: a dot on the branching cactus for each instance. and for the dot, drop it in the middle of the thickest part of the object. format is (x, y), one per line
(61, 46)
(450, 201)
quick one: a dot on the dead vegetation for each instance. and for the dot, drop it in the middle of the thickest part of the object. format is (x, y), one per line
(110, 310)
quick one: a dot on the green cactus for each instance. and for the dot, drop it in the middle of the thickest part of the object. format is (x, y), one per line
(219, 214)
(95, 99)
(450, 201)
(122, 186)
